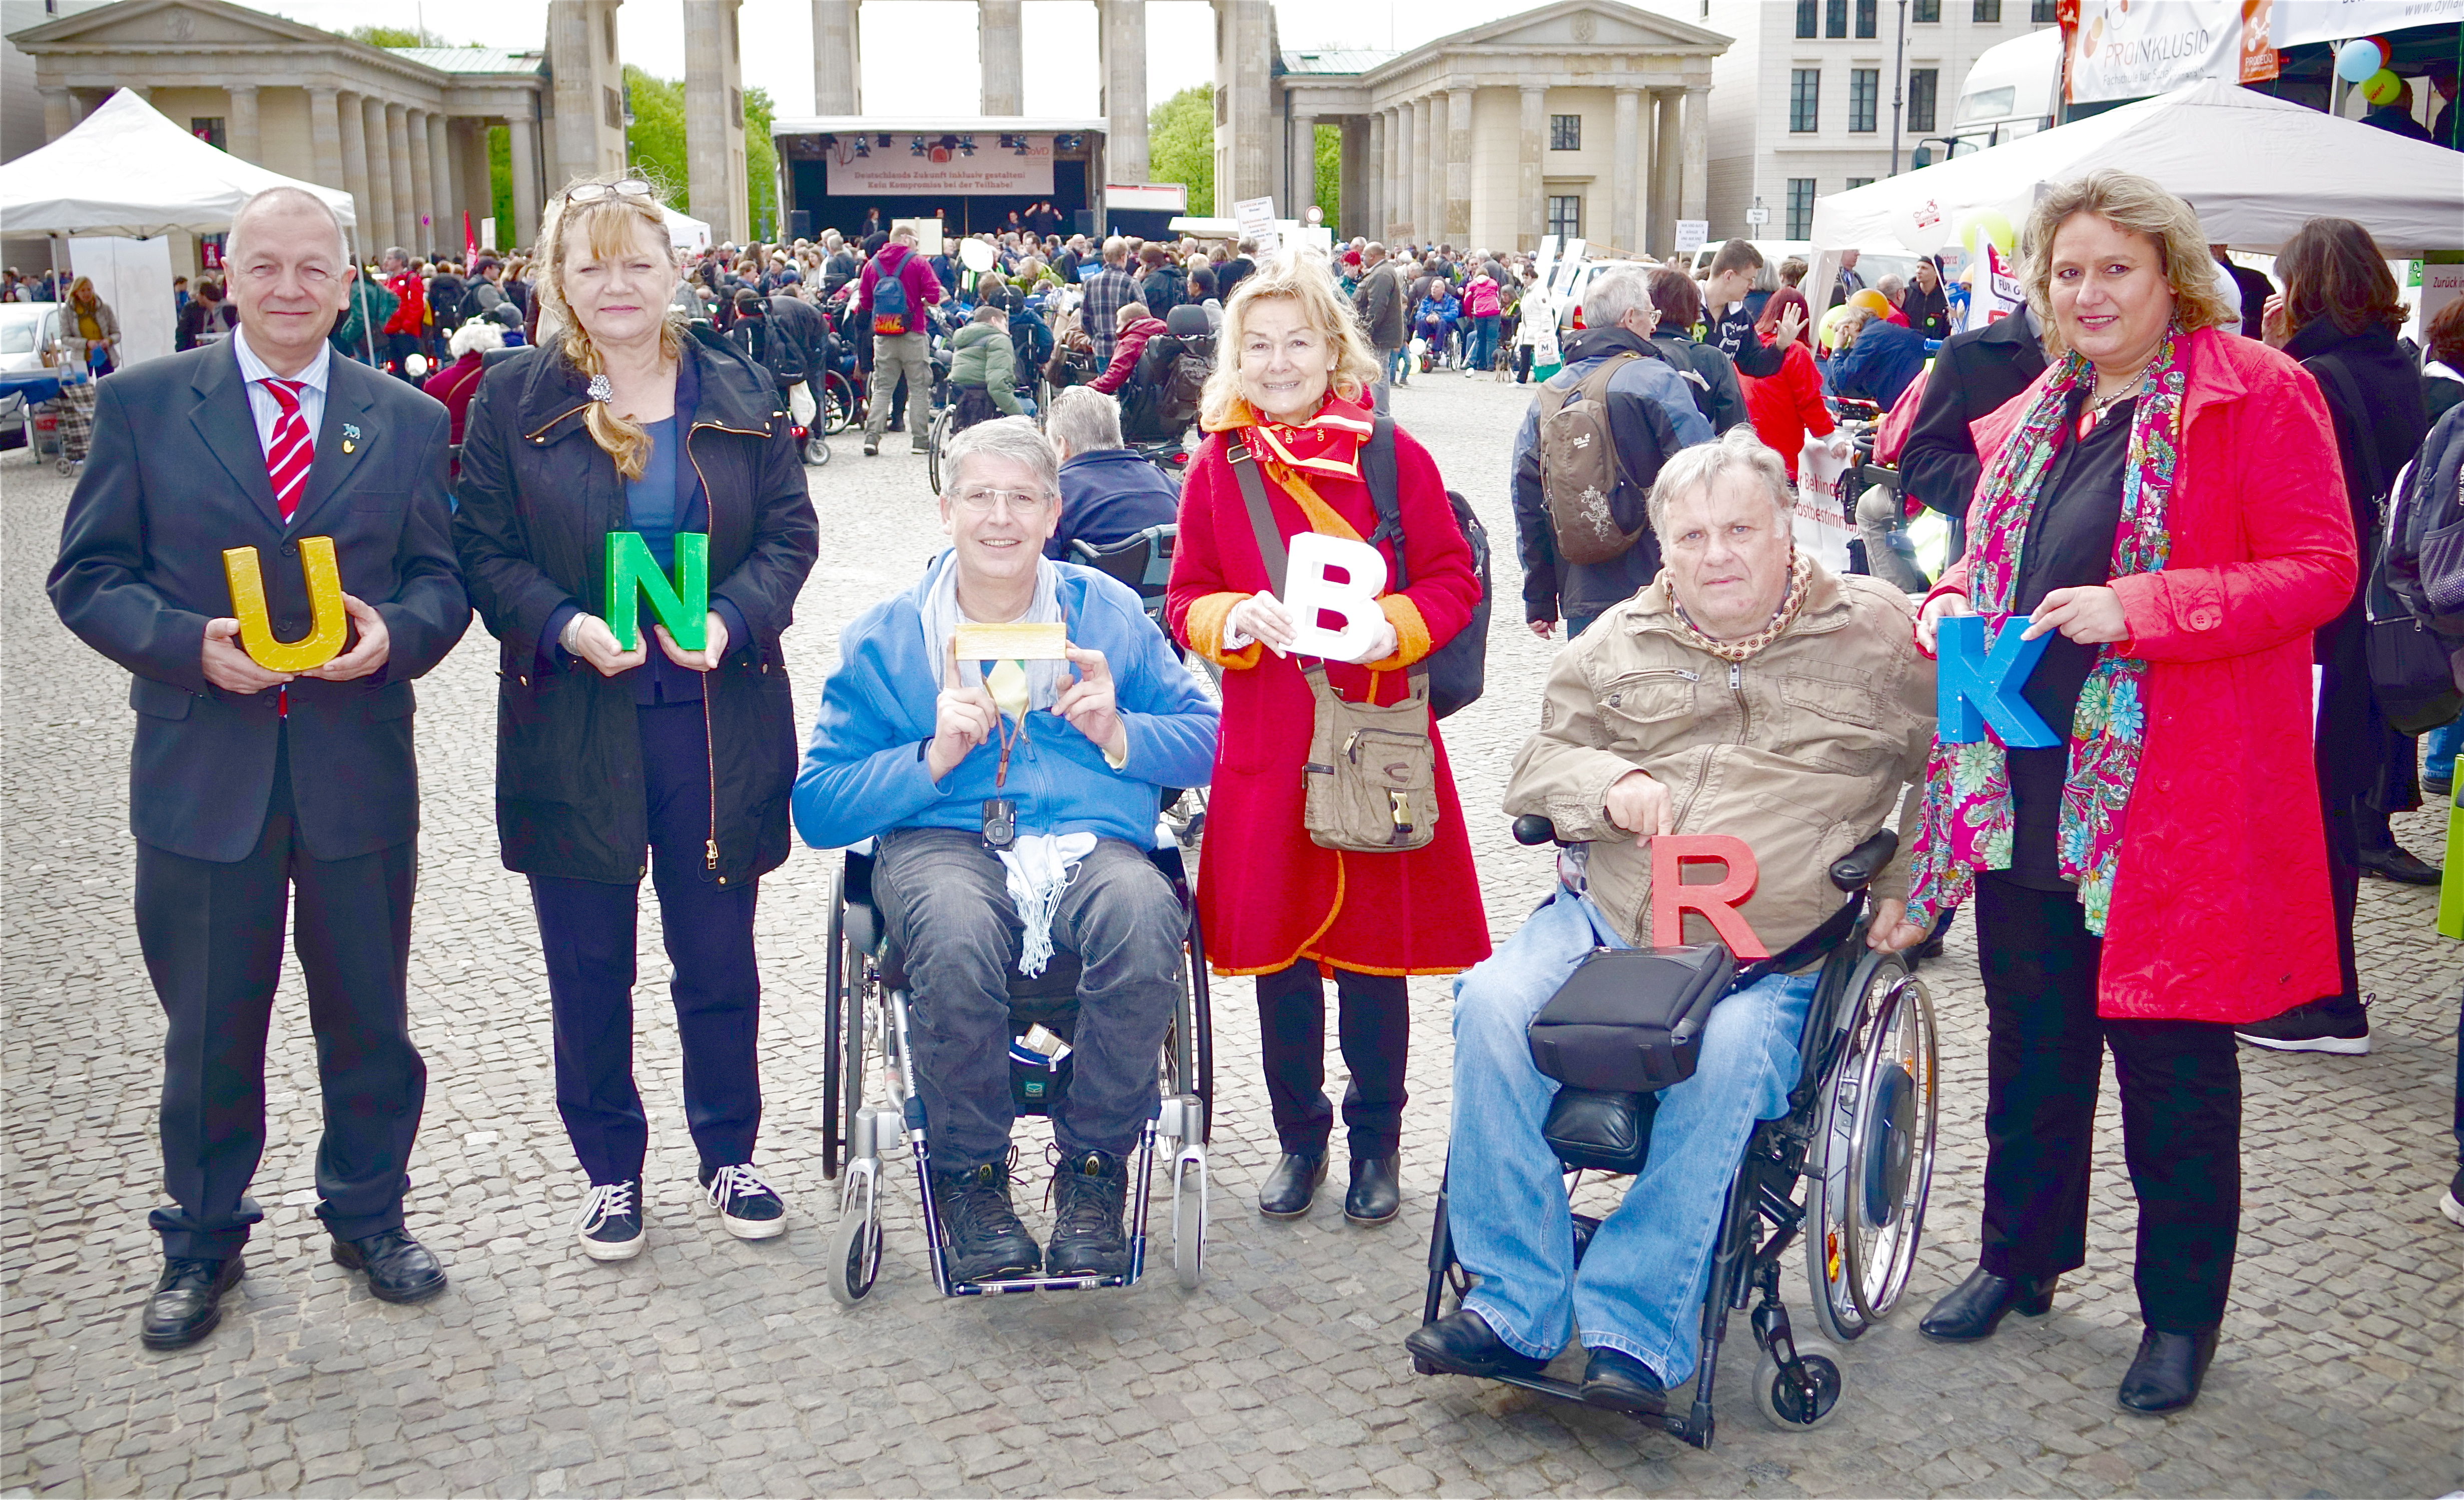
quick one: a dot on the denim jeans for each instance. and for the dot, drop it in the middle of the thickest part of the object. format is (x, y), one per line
(1641, 1285)
(1484, 343)
(1398, 365)
(2439, 764)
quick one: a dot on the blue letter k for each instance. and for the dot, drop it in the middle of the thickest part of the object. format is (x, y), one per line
(1974, 689)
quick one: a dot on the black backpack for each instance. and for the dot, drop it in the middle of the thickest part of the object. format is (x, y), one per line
(1457, 670)
(1147, 410)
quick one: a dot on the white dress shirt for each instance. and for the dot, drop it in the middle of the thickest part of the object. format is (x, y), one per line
(261, 401)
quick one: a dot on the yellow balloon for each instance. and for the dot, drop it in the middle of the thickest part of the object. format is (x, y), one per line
(2381, 87)
(1987, 224)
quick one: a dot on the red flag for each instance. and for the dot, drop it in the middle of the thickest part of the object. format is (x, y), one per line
(469, 245)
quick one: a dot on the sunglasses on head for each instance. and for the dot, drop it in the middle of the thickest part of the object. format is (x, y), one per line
(592, 192)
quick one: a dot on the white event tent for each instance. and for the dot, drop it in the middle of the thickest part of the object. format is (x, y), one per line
(684, 230)
(126, 170)
(2256, 168)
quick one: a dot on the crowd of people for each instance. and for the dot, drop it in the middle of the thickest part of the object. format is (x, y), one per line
(2188, 516)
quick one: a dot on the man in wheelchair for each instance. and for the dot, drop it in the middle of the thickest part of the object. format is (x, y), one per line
(1015, 799)
(1746, 691)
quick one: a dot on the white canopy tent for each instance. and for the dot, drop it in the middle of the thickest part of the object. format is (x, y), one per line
(126, 170)
(684, 232)
(2256, 169)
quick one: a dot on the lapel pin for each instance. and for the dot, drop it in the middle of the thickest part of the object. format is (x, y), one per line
(350, 438)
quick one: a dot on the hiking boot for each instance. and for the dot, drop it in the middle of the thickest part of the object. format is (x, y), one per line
(980, 1235)
(1089, 1192)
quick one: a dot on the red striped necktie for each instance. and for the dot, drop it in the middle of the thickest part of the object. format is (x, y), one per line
(288, 458)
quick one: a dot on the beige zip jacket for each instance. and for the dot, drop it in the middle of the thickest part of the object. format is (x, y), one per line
(1802, 750)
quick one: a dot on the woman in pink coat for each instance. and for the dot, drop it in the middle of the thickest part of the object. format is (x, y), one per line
(2164, 504)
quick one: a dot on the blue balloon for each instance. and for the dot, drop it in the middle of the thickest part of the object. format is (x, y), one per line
(2357, 60)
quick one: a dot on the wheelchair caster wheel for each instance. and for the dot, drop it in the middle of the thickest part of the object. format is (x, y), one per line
(855, 1248)
(1189, 1224)
(817, 450)
(1785, 1403)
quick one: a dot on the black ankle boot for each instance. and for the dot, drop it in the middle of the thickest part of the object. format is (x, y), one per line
(1975, 1307)
(1293, 1185)
(1376, 1193)
(2166, 1373)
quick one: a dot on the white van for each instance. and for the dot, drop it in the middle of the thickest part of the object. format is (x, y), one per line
(2014, 90)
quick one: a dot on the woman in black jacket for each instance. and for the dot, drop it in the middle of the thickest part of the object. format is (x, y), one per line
(2339, 314)
(631, 421)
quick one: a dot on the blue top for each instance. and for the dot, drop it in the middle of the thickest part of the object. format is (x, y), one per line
(863, 771)
(651, 500)
(1107, 497)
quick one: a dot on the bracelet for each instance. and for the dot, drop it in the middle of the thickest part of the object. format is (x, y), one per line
(565, 638)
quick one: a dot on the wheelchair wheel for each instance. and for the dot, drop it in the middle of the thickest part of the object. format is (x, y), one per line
(1788, 1405)
(855, 1245)
(817, 448)
(1891, 1148)
(937, 444)
(838, 403)
(1188, 1223)
(1833, 1217)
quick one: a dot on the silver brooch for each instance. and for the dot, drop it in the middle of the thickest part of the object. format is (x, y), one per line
(600, 388)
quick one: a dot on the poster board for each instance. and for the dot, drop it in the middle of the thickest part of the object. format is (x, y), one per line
(134, 275)
(1256, 217)
(938, 165)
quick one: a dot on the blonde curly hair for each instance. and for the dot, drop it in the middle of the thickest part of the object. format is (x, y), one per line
(1309, 280)
(607, 225)
(2138, 205)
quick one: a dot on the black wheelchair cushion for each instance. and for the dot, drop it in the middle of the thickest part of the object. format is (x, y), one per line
(1601, 1130)
(1631, 1020)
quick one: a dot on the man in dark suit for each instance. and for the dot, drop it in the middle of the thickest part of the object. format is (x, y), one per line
(1974, 372)
(249, 787)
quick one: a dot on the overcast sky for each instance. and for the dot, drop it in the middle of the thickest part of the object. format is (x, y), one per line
(919, 56)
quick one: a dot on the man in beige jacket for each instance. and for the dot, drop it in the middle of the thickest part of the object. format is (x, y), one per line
(1746, 691)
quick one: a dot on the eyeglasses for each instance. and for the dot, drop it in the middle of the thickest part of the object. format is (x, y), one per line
(592, 192)
(983, 502)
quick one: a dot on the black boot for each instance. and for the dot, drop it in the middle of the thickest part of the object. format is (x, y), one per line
(1089, 1191)
(1376, 1194)
(1293, 1185)
(187, 1301)
(1975, 1307)
(2166, 1373)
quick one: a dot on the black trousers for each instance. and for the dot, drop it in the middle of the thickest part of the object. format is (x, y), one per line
(2181, 1114)
(1375, 1027)
(212, 933)
(587, 929)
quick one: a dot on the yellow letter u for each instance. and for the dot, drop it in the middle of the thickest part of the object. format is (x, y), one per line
(327, 621)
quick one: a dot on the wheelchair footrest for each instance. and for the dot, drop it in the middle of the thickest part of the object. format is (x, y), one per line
(1599, 1130)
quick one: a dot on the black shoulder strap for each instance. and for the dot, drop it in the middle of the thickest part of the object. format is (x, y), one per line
(1261, 515)
(1386, 493)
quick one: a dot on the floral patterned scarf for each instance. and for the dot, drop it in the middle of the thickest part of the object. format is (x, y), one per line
(1967, 815)
(1328, 443)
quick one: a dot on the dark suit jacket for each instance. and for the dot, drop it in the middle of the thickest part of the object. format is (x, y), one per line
(175, 475)
(1973, 373)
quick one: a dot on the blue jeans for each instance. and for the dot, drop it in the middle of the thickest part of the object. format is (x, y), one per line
(1398, 365)
(1641, 1285)
(2443, 743)
(1484, 343)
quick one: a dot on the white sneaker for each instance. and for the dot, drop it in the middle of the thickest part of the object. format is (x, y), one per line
(2452, 1207)
(751, 1208)
(611, 1223)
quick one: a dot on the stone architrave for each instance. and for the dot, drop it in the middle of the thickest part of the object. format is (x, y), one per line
(1459, 105)
(838, 72)
(241, 135)
(1001, 50)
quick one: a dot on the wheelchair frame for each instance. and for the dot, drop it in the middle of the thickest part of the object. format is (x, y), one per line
(1859, 1128)
(875, 1007)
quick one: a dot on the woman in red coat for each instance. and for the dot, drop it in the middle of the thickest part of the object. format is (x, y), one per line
(1292, 391)
(2159, 873)
(1786, 406)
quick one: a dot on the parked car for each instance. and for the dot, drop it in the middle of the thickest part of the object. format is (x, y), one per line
(26, 330)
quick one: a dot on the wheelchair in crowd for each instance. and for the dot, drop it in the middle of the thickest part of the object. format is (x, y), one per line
(869, 1092)
(1858, 1131)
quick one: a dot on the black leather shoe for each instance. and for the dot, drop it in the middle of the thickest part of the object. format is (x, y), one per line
(1292, 1187)
(1620, 1383)
(2166, 1374)
(1462, 1343)
(1376, 1193)
(2400, 865)
(188, 1302)
(1975, 1307)
(399, 1268)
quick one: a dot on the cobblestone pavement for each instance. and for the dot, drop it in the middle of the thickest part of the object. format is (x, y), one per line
(712, 1366)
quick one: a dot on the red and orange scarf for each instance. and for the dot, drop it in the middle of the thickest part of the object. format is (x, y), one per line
(1328, 442)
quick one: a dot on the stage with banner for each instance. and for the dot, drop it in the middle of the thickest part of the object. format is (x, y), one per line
(969, 174)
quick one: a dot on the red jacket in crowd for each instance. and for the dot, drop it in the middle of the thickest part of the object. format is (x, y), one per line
(1127, 347)
(410, 295)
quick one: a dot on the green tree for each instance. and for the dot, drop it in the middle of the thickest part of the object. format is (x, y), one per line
(501, 184)
(654, 141)
(761, 164)
(396, 36)
(1180, 145)
(1330, 176)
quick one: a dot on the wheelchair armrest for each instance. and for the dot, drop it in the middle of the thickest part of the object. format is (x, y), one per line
(1859, 866)
(1534, 828)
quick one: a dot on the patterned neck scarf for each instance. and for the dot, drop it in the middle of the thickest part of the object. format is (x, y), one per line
(1966, 821)
(1327, 442)
(1800, 569)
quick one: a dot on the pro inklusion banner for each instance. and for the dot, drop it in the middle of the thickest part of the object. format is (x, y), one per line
(890, 165)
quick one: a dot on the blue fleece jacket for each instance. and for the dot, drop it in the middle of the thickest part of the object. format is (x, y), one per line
(864, 768)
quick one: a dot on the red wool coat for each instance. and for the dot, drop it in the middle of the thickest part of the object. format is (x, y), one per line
(1267, 896)
(2220, 908)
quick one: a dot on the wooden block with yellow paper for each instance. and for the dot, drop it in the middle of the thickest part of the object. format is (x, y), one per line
(329, 625)
(1011, 641)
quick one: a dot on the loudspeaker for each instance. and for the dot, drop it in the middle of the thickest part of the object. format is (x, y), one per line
(1087, 222)
(800, 224)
